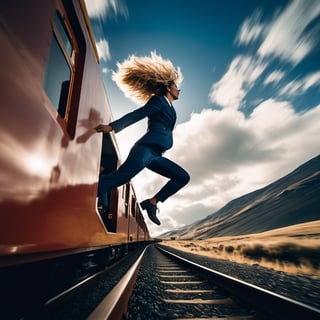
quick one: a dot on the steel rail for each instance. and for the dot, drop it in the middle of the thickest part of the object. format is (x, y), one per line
(276, 305)
(115, 304)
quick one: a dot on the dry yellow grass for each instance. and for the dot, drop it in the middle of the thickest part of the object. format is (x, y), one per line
(293, 249)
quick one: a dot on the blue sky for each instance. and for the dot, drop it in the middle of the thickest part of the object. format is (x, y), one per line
(249, 108)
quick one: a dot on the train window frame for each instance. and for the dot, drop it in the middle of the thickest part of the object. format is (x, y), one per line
(133, 206)
(65, 20)
(127, 200)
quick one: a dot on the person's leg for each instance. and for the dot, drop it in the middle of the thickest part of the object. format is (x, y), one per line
(138, 158)
(177, 175)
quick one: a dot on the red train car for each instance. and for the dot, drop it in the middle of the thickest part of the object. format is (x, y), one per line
(52, 96)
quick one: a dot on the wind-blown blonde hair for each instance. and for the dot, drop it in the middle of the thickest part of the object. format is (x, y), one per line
(141, 77)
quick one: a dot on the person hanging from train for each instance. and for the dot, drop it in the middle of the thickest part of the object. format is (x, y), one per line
(153, 81)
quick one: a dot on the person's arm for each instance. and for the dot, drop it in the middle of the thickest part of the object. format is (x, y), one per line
(152, 106)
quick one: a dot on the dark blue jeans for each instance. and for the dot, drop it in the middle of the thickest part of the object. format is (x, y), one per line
(146, 156)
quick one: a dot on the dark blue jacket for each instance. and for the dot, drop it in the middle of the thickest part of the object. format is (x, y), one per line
(161, 120)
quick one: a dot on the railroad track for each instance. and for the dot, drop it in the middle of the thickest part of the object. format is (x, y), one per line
(63, 287)
(170, 287)
(155, 284)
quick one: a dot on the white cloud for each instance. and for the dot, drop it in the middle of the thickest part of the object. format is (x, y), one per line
(311, 80)
(228, 155)
(103, 49)
(250, 30)
(291, 36)
(285, 37)
(274, 77)
(291, 88)
(270, 117)
(100, 9)
(233, 86)
(298, 87)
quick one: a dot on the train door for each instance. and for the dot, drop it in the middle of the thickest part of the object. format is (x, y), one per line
(132, 224)
(109, 162)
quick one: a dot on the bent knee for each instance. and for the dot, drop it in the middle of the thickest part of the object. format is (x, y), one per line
(185, 178)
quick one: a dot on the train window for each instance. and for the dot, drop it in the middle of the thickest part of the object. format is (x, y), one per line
(127, 199)
(124, 191)
(63, 33)
(133, 206)
(59, 76)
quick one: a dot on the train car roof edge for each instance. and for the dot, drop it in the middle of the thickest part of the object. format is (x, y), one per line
(88, 24)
